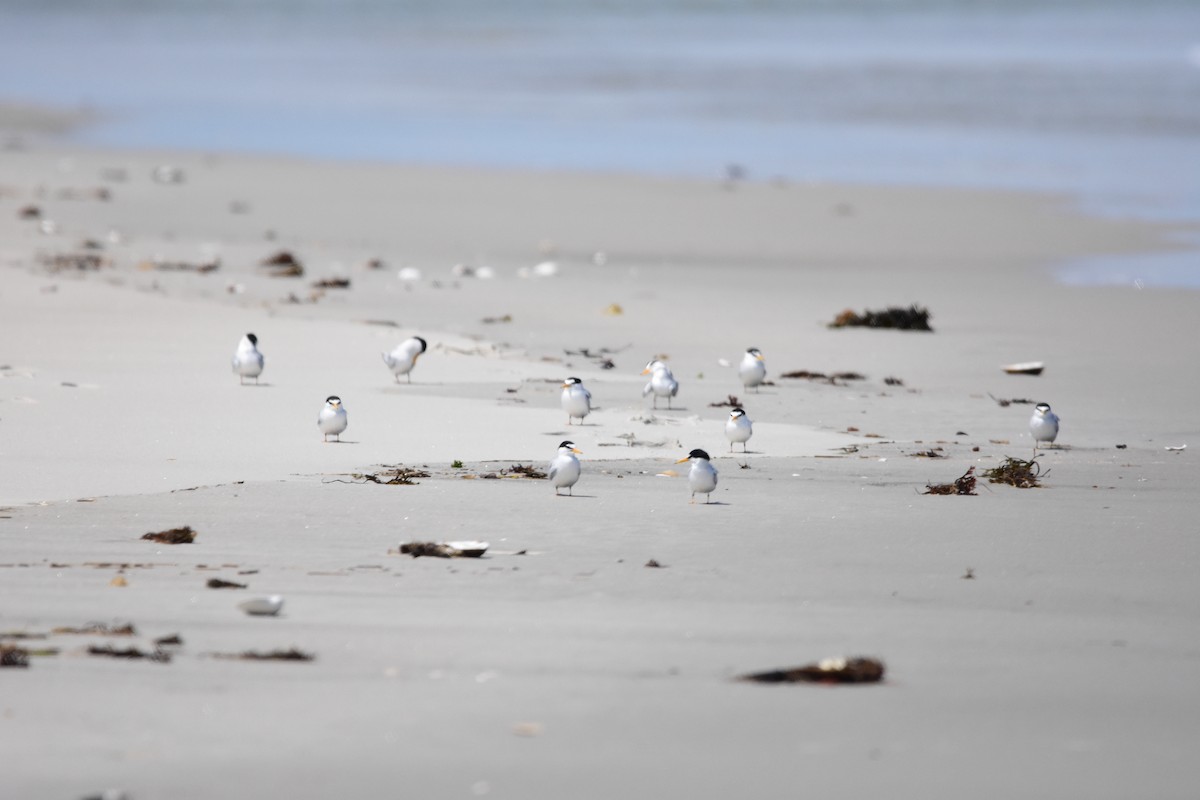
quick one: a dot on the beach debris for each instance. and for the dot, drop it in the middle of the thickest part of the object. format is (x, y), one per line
(913, 318)
(1122, 446)
(1176, 448)
(964, 485)
(456, 464)
(444, 549)
(29, 212)
(613, 310)
(74, 262)
(522, 471)
(173, 640)
(832, 379)
(291, 654)
(262, 606)
(497, 320)
(409, 274)
(167, 173)
(969, 575)
(398, 476)
(730, 401)
(1016, 401)
(184, 535)
(1016, 472)
(893, 381)
(332, 283)
(283, 264)
(129, 653)
(98, 629)
(935, 452)
(181, 266)
(119, 582)
(1025, 368)
(218, 583)
(13, 656)
(653, 564)
(858, 669)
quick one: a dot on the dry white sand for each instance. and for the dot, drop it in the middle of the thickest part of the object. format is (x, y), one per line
(1064, 668)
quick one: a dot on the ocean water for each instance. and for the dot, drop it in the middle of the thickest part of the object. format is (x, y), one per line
(1096, 98)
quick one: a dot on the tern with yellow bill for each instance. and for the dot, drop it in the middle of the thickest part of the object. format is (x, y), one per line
(702, 477)
(565, 469)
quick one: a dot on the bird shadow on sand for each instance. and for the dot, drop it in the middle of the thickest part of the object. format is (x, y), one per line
(713, 503)
(580, 496)
(257, 385)
(342, 441)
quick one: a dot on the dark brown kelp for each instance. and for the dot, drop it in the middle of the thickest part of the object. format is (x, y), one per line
(962, 485)
(830, 670)
(913, 318)
(184, 535)
(1015, 472)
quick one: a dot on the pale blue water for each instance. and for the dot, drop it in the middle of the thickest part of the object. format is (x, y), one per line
(1097, 98)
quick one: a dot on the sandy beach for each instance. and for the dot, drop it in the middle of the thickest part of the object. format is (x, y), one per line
(1038, 642)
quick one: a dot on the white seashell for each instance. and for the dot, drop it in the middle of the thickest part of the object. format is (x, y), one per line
(48, 227)
(546, 269)
(1025, 368)
(724, 362)
(485, 273)
(469, 549)
(409, 274)
(263, 606)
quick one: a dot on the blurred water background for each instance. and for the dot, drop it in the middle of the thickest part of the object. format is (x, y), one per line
(1097, 98)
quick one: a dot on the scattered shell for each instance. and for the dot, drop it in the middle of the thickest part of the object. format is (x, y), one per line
(409, 274)
(118, 581)
(1176, 447)
(546, 269)
(1025, 368)
(263, 606)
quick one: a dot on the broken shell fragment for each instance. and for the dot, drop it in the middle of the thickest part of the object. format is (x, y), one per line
(263, 606)
(1025, 368)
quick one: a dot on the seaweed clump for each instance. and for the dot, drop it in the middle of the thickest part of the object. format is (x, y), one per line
(913, 318)
(184, 535)
(831, 670)
(1016, 472)
(965, 484)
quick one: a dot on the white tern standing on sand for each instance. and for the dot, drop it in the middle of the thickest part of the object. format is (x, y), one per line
(402, 360)
(576, 400)
(247, 361)
(332, 419)
(662, 382)
(752, 370)
(738, 428)
(1043, 425)
(702, 477)
(565, 469)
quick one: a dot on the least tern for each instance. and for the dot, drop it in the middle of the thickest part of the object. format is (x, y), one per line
(738, 428)
(1043, 425)
(752, 370)
(565, 469)
(662, 382)
(247, 361)
(702, 477)
(332, 419)
(576, 400)
(402, 360)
